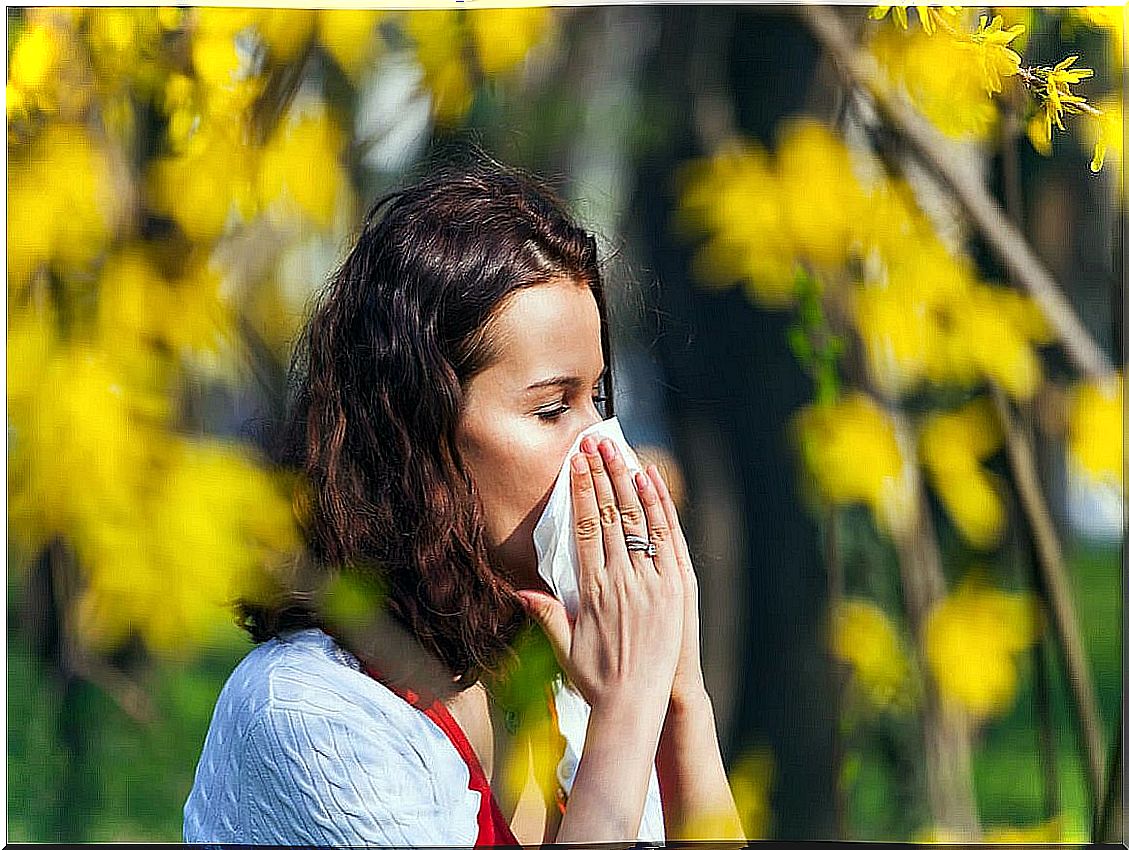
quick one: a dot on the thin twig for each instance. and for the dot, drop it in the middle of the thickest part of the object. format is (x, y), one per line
(1109, 826)
(1064, 617)
(946, 728)
(1048, 755)
(1046, 751)
(860, 70)
(836, 581)
(129, 696)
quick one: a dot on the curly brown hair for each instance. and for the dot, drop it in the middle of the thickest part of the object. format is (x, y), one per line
(378, 377)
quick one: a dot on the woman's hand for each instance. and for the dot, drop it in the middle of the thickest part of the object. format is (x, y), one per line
(689, 682)
(624, 644)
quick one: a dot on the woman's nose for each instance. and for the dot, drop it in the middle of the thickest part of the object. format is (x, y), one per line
(592, 418)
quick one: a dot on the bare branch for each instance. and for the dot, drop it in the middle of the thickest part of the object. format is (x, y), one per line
(1064, 616)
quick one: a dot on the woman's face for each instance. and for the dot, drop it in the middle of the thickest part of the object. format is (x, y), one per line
(522, 413)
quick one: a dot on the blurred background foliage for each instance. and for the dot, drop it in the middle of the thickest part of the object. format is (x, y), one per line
(901, 459)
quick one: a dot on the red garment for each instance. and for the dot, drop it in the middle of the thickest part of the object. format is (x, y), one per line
(493, 829)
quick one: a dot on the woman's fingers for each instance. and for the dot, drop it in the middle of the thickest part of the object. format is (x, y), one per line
(550, 614)
(631, 514)
(658, 527)
(609, 509)
(586, 526)
(671, 513)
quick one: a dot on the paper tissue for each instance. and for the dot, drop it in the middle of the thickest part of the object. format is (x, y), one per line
(555, 543)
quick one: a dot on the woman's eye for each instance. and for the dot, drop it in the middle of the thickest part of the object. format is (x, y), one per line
(549, 415)
(556, 413)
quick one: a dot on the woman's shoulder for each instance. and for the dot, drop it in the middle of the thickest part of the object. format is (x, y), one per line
(304, 671)
(288, 682)
(305, 747)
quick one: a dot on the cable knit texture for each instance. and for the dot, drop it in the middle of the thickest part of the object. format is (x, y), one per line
(304, 748)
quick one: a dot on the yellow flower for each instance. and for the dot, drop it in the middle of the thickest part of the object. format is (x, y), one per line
(125, 45)
(170, 17)
(994, 341)
(952, 446)
(925, 13)
(216, 522)
(503, 37)
(286, 31)
(215, 56)
(823, 202)
(1051, 86)
(896, 335)
(34, 58)
(350, 36)
(995, 57)
(1058, 82)
(863, 636)
(929, 319)
(31, 342)
(213, 179)
(944, 77)
(905, 314)
(731, 198)
(1096, 430)
(301, 168)
(140, 307)
(852, 452)
(894, 222)
(1106, 134)
(972, 639)
(1039, 131)
(751, 779)
(438, 36)
(93, 412)
(61, 204)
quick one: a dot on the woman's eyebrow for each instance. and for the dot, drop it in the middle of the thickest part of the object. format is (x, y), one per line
(568, 381)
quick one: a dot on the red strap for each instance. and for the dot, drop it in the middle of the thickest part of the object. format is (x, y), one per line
(493, 828)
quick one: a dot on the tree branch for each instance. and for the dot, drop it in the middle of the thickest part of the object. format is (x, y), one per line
(1064, 617)
(947, 729)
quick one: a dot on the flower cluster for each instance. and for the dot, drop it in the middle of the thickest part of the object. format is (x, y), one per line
(973, 639)
(921, 313)
(455, 46)
(864, 636)
(161, 163)
(851, 450)
(952, 446)
(1051, 86)
(952, 71)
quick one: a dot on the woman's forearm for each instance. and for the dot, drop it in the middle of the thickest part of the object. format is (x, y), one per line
(697, 801)
(609, 792)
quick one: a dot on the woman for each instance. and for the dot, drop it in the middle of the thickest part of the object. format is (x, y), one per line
(446, 372)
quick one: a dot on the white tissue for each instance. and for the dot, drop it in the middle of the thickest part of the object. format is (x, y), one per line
(555, 543)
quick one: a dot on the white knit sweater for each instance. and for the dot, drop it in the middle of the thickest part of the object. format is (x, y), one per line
(305, 748)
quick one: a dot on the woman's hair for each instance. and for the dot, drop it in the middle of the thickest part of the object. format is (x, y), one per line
(377, 382)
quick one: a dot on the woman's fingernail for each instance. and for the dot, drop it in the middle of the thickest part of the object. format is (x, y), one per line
(607, 449)
(641, 481)
(589, 445)
(577, 463)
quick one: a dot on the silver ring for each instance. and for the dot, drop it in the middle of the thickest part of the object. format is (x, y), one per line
(635, 543)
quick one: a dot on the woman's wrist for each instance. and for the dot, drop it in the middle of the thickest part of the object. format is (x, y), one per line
(689, 701)
(609, 792)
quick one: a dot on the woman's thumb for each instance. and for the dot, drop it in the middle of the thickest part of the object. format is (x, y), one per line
(551, 616)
